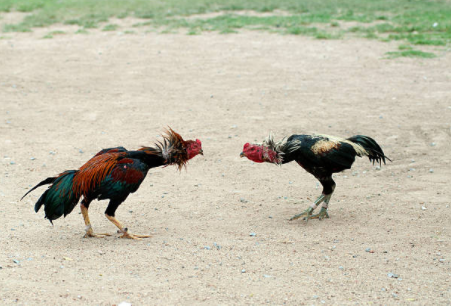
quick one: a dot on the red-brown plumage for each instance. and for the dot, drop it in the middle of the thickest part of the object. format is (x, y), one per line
(91, 174)
(126, 174)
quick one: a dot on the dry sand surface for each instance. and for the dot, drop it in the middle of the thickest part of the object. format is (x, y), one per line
(64, 99)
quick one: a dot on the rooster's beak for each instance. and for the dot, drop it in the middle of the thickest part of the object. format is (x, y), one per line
(201, 152)
(242, 154)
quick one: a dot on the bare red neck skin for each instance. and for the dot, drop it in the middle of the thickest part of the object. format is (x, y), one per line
(260, 154)
(193, 148)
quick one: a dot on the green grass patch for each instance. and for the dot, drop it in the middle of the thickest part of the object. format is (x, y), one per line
(16, 28)
(81, 31)
(110, 27)
(405, 47)
(410, 53)
(416, 22)
(53, 33)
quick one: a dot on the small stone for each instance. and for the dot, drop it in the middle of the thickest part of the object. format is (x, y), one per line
(81, 151)
(32, 158)
(125, 304)
(267, 276)
(12, 163)
(392, 275)
(367, 249)
(243, 200)
(423, 208)
(378, 167)
(340, 267)
(243, 271)
(52, 153)
(207, 248)
(16, 261)
(433, 144)
(217, 246)
(252, 234)
(383, 289)
(431, 170)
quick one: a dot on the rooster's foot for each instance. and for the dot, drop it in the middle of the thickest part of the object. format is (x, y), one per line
(321, 215)
(135, 237)
(307, 214)
(90, 233)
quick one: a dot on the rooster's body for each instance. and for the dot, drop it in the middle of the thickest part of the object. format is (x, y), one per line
(320, 155)
(111, 174)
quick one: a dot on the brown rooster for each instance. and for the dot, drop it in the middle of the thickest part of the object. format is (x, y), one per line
(112, 174)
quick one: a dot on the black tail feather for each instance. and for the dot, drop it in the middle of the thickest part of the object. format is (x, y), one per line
(375, 153)
(48, 180)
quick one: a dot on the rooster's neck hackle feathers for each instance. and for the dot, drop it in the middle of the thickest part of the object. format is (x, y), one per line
(172, 149)
(280, 148)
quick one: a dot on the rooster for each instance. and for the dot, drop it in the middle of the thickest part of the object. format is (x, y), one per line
(320, 155)
(112, 174)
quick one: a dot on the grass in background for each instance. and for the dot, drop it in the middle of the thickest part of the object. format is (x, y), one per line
(418, 22)
(53, 33)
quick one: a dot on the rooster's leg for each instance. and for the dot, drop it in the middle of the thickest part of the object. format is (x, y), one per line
(307, 214)
(328, 188)
(323, 212)
(89, 232)
(110, 212)
(124, 230)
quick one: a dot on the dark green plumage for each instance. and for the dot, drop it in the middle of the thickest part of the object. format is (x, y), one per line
(59, 199)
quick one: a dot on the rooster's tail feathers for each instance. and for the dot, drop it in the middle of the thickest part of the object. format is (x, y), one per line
(48, 180)
(373, 150)
(59, 199)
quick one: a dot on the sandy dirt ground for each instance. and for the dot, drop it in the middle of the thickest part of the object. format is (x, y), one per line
(220, 229)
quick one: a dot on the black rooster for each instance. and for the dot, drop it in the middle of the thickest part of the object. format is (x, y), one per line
(112, 174)
(320, 155)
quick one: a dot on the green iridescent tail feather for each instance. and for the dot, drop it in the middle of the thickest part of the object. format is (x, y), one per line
(59, 199)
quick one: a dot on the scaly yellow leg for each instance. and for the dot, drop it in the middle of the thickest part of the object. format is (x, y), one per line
(124, 230)
(89, 231)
